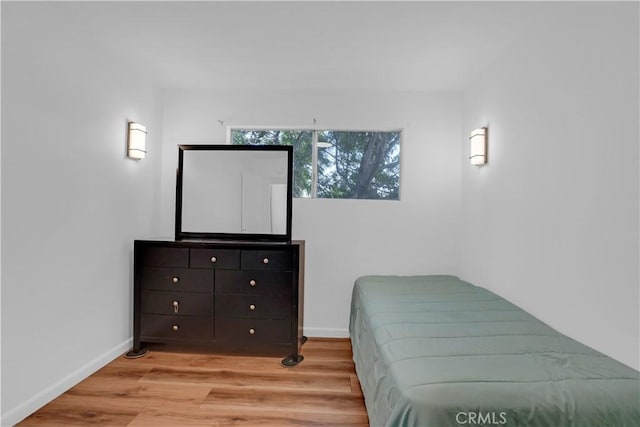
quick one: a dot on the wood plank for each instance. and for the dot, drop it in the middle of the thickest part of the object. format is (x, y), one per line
(328, 349)
(249, 419)
(318, 356)
(282, 401)
(284, 379)
(356, 388)
(123, 371)
(137, 395)
(69, 411)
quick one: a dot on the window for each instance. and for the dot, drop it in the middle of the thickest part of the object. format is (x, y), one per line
(335, 163)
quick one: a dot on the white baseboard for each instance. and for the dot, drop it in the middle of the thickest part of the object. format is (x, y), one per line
(326, 332)
(23, 410)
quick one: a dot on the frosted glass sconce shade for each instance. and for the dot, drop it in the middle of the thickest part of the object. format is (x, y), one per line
(478, 147)
(136, 146)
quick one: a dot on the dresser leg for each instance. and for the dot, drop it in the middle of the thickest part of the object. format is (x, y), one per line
(304, 339)
(291, 361)
(135, 353)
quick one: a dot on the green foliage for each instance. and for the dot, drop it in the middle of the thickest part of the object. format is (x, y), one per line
(354, 165)
(359, 165)
(302, 144)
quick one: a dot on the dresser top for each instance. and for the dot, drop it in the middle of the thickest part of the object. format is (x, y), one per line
(216, 242)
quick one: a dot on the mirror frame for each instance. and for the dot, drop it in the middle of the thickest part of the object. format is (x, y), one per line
(205, 234)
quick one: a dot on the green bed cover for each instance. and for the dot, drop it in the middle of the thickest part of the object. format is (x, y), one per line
(435, 351)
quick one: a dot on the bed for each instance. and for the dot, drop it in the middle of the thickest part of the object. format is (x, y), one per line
(435, 351)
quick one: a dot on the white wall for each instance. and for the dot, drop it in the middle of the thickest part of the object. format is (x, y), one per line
(551, 223)
(0, 244)
(345, 238)
(72, 203)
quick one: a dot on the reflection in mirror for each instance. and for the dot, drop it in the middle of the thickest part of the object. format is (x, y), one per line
(234, 191)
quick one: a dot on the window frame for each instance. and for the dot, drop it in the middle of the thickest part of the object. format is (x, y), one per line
(315, 130)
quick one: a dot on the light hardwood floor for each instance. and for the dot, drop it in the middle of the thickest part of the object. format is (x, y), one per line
(174, 389)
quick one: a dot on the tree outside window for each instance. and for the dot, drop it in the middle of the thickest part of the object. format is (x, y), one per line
(345, 165)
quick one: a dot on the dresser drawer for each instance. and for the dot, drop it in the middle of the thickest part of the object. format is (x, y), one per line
(250, 332)
(176, 327)
(253, 282)
(254, 307)
(267, 259)
(176, 279)
(177, 303)
(215, 258)
(165, 257)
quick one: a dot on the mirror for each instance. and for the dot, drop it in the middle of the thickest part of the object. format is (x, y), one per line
(240, 192)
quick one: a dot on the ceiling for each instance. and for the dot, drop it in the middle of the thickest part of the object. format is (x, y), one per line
(418, 45)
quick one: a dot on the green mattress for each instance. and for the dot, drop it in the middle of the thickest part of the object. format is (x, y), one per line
(435, 351)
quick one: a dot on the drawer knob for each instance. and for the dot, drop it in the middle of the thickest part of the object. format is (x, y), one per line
(265, 261)
(175, 327)
(252, 282)
(175, 279)
(214, 259)
(176, 307)
(252, 307)
(252, 331)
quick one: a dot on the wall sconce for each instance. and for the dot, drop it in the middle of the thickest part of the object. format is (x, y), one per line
(478, 147)
(136, 143)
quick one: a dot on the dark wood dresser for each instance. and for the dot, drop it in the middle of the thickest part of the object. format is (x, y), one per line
(225, 296)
